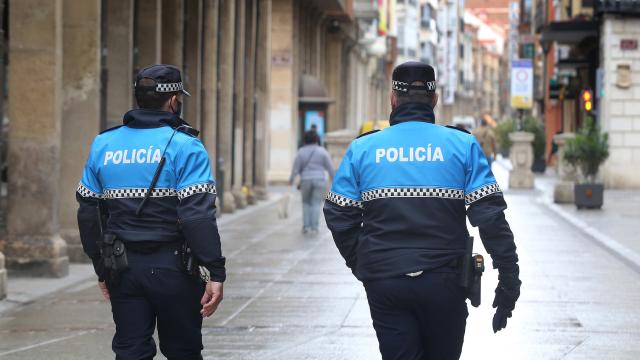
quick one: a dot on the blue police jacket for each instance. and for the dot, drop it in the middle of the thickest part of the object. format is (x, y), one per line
(401, 196)
(118, 172)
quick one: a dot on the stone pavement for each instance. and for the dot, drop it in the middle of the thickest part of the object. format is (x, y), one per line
(616, 221)
(289, 296)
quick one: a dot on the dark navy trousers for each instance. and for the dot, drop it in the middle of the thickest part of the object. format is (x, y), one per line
(418, 318)
(155, 291)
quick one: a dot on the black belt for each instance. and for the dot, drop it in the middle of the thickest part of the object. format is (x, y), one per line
(150, 247)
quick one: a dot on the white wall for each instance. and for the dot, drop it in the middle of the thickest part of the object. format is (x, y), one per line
(620, 107)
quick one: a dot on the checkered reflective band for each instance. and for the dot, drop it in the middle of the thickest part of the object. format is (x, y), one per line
(137, 193)
(478, 194)
(343, 200)
(86, 192)
(413, 192)
(404, 87)
(196, 189)
(169, 87)
(400, 86)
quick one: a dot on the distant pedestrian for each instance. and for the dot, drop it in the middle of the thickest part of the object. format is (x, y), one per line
(314, 128)
(311, 163)
(487, 139)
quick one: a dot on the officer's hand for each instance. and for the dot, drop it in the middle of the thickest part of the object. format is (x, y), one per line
(211, 298)
(103, 288)
(507, 293)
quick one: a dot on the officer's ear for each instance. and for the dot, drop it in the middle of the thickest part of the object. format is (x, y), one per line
(394, 100)
(434, 100)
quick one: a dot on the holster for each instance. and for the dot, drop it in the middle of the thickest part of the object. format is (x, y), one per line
(475, 280)
(189, 262)
(114, 256)
(472, 267)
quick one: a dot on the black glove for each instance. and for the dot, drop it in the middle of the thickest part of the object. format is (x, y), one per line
(507, 293)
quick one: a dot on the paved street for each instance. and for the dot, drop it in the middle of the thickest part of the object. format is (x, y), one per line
(288, 296)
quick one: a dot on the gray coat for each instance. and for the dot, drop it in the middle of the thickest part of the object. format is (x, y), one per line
(311, 163)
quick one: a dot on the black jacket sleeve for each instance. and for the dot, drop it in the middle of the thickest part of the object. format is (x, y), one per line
(488, 215)
(89, 226)
(345, 223)
(197, 214)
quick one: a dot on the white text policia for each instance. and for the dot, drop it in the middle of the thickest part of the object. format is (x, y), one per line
(134, 156)
(409, 155)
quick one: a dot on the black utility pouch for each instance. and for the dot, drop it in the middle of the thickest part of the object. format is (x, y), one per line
(114, 254)
(120, 260)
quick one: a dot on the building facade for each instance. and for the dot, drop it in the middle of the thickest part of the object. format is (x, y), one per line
(70, 68)
(330, 68)
(591, 46)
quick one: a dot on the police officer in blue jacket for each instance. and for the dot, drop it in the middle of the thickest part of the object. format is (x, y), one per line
(156, 288)
(397, 211)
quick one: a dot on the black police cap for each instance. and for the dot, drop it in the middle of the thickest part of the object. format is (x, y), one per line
(407, 73)
(166, 79)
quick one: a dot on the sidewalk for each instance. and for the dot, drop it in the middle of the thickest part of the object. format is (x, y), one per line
(24, 290)
(616, 226)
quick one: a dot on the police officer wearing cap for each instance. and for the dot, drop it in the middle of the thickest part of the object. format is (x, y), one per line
(150, 179)
(397, 210)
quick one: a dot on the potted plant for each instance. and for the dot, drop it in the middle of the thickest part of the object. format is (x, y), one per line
(503, 129)
(534, 126)
(586, 152)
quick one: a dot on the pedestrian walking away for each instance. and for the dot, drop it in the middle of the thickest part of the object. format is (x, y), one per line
(487, 139)
(312, 163)
(147, 221)
(397, 211)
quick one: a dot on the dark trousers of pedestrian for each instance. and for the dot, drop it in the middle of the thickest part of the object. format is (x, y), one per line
(153, 291)
(418, 318)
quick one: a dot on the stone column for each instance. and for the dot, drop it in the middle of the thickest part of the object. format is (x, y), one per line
(521, 156)
(80, 109)
(263, 80)
(119, 60)
(3, 278)
(148, 33)
(563, 190)
(250, 100)
(172, 32)
(334, 81)
(225, 105)
(35, 109)
(284, 90)
(208, 126)
(239, 105)
(192, 71)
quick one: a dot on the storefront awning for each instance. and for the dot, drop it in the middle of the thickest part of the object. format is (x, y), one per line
(568, 32)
